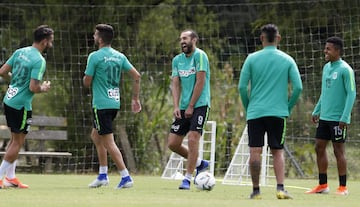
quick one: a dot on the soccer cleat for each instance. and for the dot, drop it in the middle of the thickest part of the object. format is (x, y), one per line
(1, 184)
(13, 183)
(255, 195)
(282, 194)
(185, 184)
(101, 180)
(342, 190)
(126, 182)
(324, 188)
(202, 167)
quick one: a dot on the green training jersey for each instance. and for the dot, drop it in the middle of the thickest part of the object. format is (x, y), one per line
(105, 66)
(26, 63)
(186, 68)
(338, 92)
(263, 83)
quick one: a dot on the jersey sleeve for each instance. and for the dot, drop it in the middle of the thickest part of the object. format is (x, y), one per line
(174, 68)
(350, 88)
(243, 83)
(202, 62)
(10, 61)
(126, 65)
(38, 69)
(317, 109)
(296, 83)
(91, 64)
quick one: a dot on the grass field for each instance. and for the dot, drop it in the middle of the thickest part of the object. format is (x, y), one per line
(72, 190)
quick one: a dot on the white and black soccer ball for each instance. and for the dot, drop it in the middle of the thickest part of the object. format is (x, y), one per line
(205, 181)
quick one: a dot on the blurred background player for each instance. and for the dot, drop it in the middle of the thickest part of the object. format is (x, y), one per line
(103, 75)
(25, 70)
(191, 97)
(332, 113)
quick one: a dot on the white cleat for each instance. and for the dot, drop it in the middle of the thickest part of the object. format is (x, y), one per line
(98, 183)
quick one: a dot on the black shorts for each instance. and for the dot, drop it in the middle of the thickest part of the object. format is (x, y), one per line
(195, 123)
(329, 130)
(18, 121)
(103, 119)
(275, 128)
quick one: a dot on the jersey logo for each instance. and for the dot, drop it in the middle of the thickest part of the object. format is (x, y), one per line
(186, 73)
(114, 94)
(23, 57)
(11, 92)
(112, 59)
(334, 75)
(175, 127)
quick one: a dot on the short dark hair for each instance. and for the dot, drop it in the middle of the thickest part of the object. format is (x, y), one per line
(106, 32)
(270, 30)
(337, 42)
(193, 34)
(42, 32)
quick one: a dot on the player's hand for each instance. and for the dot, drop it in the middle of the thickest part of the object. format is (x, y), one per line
(315, 119)
(342, 125)
(189, 112)
(135, 106)
(45, 86)
(177, 113)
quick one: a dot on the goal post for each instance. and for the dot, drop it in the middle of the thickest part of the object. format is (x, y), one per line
(175, 166)
(238, 172)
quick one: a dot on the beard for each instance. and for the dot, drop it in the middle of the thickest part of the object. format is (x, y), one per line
(96, 42)
(187, 48)
(48, 46)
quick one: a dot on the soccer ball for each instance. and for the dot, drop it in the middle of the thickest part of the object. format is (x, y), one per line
(205, 181)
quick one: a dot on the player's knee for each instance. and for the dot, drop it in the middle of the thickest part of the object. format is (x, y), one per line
(173, 146)
(319, 148)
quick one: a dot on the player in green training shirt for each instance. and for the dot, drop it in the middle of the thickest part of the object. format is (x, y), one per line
(103, 75)
(25, 69)
(263, 88)
(332, 114)
(191, 97)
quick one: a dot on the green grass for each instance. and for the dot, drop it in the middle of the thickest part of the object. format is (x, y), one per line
(72, 190)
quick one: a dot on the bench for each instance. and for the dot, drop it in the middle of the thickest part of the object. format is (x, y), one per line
(43, 128)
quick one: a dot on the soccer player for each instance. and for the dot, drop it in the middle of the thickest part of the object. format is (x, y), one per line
(191, 97)
(103, 75)
(263, 87)
(25, 69)
(332, 113)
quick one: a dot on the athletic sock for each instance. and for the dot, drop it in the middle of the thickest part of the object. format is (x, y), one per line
(124, 172)
(322, 178)
(3, 167)
(342, 180)
(10, 172)
(198, 162)
(280, 187)
(188, 176)
(103, 169)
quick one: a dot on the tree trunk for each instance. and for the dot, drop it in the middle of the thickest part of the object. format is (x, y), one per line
(125, 149)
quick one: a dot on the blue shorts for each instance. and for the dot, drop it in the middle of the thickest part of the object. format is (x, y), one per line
(195, 123)
(329, 130)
